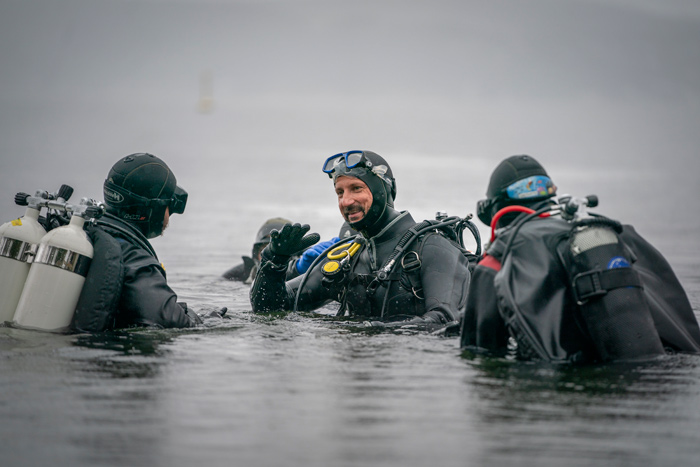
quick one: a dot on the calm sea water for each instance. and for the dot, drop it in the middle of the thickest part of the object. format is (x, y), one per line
(306, 390)
(444, 90)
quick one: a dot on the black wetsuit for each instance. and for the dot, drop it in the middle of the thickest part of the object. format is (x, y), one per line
(138, 288)
(485, 329)
(437, 300)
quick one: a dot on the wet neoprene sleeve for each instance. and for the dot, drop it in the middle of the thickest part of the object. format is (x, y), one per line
(270, 292)
(146, 298)
(445, 279)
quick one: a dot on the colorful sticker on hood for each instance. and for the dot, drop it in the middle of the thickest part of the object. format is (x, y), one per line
(536, 186)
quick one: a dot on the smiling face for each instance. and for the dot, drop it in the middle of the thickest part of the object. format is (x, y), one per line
(354, 198)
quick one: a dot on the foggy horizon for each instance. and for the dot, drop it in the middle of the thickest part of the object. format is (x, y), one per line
(582, 85)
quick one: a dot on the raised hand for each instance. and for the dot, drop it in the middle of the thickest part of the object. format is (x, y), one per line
(291, 239)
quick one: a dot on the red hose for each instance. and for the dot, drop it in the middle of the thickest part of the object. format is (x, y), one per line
(506, 210)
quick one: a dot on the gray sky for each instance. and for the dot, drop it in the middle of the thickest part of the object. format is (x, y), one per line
(580, 84)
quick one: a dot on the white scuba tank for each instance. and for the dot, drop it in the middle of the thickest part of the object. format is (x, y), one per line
(56, 278)
(19, 240)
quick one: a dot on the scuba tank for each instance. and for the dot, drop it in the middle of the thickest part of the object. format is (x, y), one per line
(19, 240)
(57, 274)
(568, 289)
(607, 289)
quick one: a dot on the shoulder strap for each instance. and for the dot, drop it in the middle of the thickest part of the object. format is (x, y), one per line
(98, 302)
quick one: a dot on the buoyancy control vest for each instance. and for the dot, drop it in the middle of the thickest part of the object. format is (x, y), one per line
(391, 290)
(98, 303)
(578, 292)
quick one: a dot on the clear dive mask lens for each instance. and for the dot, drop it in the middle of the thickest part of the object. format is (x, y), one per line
(351, 159)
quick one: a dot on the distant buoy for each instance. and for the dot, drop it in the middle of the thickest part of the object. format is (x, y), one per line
(206, 93)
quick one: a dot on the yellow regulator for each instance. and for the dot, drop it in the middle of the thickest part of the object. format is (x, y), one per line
(339, 257)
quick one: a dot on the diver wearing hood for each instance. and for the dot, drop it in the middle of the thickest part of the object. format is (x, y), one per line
(126, 285)
(563, 285)
(368, 274)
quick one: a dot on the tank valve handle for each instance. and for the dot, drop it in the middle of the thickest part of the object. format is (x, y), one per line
(21, 199)
(93, 212)
(65, 192)
(89, 209)
(576, 207)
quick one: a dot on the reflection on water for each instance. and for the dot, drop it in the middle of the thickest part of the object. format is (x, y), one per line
(294, 389)
(629, 414)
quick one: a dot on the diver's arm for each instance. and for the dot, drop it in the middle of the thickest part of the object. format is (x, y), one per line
(146, 299)
(269, 291)
(445, 280)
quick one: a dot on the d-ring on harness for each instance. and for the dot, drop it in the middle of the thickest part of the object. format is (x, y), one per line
(411, 263)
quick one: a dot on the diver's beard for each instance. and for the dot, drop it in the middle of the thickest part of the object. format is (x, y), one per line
(353, 209)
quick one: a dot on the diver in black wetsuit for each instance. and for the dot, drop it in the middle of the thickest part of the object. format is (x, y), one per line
(126, 285)
(425, 285)
(556, 287)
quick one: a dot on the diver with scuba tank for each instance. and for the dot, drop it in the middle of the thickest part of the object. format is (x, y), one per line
(395, 272)
(561, 284)
(126, 285)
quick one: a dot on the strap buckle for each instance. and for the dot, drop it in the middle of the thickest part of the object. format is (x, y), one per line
(412, 263)
(587, 285)
(599, 282)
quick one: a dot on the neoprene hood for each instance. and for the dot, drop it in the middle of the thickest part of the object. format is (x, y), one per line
(380, 180)
(139, 188)
(508, 172)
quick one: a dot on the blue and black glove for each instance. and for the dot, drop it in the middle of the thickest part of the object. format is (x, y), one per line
(312, 253)
(291, 239)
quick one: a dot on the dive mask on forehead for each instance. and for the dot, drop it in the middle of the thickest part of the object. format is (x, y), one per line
(351, 159)
(536, 186)
(343, 164)
(533, 188)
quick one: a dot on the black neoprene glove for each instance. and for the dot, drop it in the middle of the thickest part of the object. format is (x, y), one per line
(288, 241)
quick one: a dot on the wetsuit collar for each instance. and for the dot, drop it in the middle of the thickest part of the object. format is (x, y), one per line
(127, 231)
(382, 224)
(390, 228)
